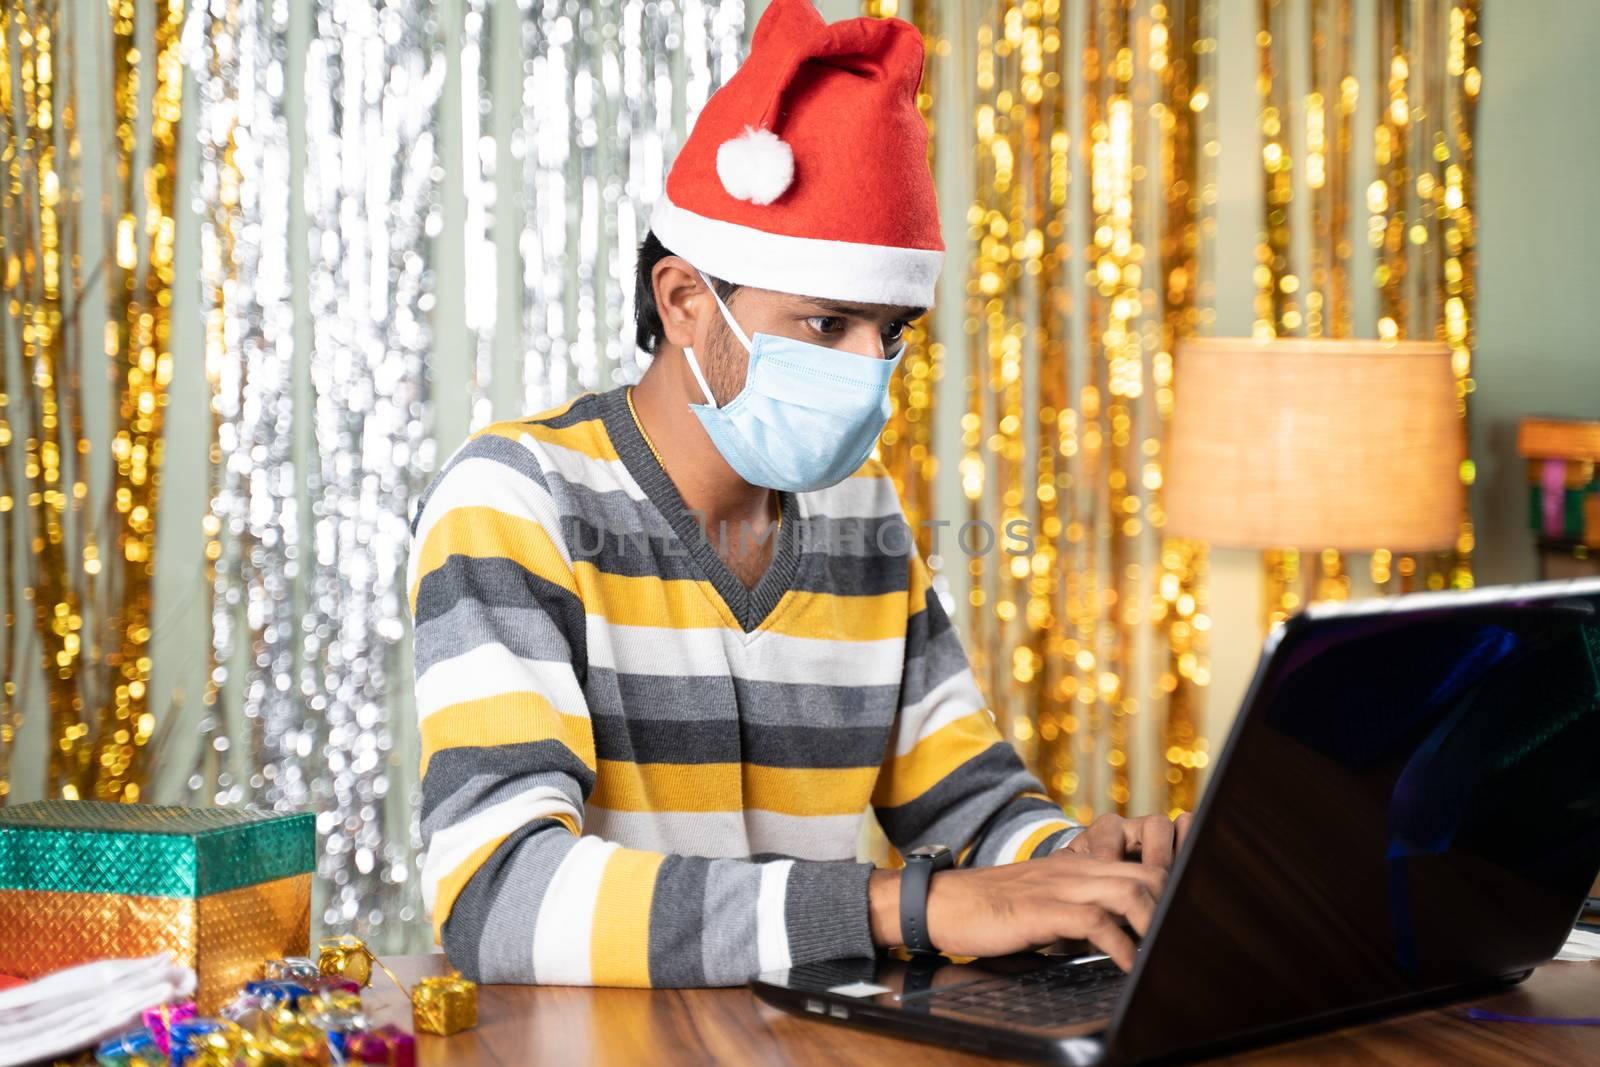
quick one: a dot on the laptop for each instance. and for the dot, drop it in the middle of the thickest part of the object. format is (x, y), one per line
(1406, 812)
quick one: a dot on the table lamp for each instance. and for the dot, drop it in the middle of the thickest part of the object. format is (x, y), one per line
(1313, 443)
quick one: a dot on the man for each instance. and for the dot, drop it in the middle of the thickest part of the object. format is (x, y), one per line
(649, 743)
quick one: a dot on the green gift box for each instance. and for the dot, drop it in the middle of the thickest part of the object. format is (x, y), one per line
(222, 889)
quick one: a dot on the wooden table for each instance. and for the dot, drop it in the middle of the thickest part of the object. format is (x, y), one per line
(575, 1026)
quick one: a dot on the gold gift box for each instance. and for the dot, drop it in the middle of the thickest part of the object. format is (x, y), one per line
(222, 890)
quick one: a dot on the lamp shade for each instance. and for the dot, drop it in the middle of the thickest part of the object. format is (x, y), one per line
(1314, 443)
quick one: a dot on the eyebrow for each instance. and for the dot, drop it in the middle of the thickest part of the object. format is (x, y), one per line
(856, 310)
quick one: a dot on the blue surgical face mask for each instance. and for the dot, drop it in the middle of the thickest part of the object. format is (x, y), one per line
(807, 416)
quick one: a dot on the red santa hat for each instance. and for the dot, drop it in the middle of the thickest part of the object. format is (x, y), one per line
(808, 171)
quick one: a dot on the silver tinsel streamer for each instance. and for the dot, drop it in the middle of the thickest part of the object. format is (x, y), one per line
(374, 71)
(309, 613)
(609, 89)
(478, 157)
(237, 50)
(313, 681)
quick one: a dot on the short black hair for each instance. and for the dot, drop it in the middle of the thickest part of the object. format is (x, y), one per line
(647, 331)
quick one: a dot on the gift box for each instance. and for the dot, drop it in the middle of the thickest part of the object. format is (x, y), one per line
(222, 889)
(1563, 479)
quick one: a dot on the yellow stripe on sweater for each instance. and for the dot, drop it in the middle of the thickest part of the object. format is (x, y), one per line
(830, 617)
(684, 604)
(485, 533)
(648, 600)
(1033, 840)
(907, 777)
(511, 718)
(703, 787)
(587, 437)
(620, 944)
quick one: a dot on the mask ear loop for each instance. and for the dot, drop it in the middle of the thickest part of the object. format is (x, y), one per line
(694, 365)
(727, 316)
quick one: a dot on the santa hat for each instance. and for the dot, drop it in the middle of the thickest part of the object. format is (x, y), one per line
(808, 171)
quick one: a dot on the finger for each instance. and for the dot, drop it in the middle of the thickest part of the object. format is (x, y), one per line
(1154, 878)
(1102, 931)
(1127, 897)
(1155, 841)
(1107, 838)
(1182, 826)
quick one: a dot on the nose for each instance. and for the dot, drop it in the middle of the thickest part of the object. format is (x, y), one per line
(865, 339)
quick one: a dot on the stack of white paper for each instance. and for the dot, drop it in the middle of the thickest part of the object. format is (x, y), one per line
(1581, 945)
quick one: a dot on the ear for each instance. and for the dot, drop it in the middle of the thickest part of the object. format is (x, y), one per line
(682, 301)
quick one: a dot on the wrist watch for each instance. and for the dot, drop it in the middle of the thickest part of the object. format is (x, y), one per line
(921, 863)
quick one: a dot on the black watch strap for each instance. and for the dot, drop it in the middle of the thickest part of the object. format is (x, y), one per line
(920, 866)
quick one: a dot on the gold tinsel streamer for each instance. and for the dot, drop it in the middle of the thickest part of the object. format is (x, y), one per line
(1064, 413)
(1116, 351)
(39, 268)
(138, 345)
(1277, 304)
(1420, 223)
(906, 447)
(1178, 43)
(92, 622)
(1329, 111)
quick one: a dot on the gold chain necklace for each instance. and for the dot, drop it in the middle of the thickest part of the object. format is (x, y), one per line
(656, 453)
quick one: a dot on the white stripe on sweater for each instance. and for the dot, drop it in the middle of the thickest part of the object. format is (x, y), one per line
(492, 670)
(563, 933)
(580, 468)
(954, 698)
(772, 933)
(1008, 851)
(718, 652)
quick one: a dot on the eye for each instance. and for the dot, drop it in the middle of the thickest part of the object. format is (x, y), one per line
(827, 324)
(895, 331)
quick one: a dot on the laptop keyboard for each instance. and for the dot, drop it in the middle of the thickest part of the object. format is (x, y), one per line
(1060, 995)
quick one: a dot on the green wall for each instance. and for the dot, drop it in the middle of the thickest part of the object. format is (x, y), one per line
(1538, 341)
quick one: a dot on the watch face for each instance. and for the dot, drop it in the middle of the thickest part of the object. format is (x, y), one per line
(928, 852)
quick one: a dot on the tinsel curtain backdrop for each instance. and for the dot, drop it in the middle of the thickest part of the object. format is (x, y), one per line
(295, 252)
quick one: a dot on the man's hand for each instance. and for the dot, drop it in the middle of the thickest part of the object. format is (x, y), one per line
(990, 911)
(1152, 840)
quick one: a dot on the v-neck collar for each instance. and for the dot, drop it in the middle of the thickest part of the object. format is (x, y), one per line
(749, 606)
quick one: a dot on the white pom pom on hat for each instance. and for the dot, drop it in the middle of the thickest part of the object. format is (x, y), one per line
(756, 166)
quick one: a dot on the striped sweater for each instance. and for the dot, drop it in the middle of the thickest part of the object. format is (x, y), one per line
(637, 771)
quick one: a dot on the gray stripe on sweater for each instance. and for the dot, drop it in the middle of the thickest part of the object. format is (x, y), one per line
(825, 911)
(528, 632)
(464, 781)
(933, 653)
(633, 550)
(728, 940)
(507, 944)
(641, 740)
(678, 698)
(489, 935)
(958, 806)
(676, 919)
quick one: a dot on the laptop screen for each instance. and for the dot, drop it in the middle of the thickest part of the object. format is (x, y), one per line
(1410, 804)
